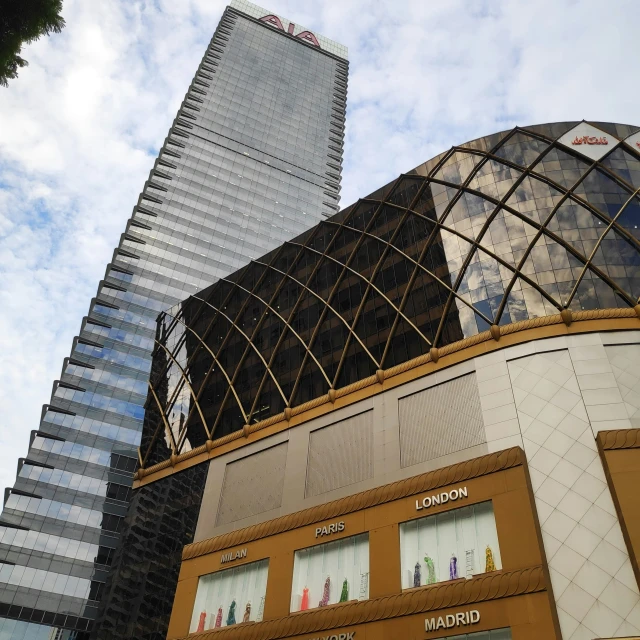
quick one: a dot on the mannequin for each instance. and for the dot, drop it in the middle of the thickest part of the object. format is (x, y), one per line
(431, 570)
(325, 594)
(490, 564)
(453, 567)
(201, 621)
(304, 604)
(344, 596)
(231, 617)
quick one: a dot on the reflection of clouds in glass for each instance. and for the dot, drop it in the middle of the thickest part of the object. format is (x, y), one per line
(467, 319)
(535, 303)
(516, 309)
(458, 167)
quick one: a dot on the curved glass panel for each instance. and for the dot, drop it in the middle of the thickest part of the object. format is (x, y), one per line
(518, 228)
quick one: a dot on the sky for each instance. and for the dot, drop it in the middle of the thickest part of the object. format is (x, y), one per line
(81, 126)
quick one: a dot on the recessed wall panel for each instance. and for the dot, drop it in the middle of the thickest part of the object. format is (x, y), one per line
(340, 454)
(253, 485)
(441, 420)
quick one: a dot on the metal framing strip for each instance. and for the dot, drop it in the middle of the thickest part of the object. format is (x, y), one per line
(377, 205)
(206, 378)
(193, 395)
(157, 431)
(268, 373)
(597, 245)
(268, 268)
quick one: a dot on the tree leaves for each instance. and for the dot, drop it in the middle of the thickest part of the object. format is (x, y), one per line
(23, 22)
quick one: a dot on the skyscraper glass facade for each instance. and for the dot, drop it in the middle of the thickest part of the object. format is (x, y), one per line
(252, 158)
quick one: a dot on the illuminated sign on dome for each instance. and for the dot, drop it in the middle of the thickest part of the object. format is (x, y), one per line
(589, 140)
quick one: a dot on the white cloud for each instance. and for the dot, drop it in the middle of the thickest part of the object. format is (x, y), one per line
(81, 125)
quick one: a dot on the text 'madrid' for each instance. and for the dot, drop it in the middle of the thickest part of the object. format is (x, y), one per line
(463, 618)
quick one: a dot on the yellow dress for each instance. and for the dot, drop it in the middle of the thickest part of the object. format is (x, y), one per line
(490, 565)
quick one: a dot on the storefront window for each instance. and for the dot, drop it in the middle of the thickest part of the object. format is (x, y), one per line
(455, 544)
(230, 596)
(494, 634)
(330, 573)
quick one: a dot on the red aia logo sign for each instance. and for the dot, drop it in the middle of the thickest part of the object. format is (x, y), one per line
(638, 144)
(590, 140)
(307, 36)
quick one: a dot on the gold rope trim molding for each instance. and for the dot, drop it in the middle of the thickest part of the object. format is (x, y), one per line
(484, 465)
(619, 439)
(493, 586)
(434, 357)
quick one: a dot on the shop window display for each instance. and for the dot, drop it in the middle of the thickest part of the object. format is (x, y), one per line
(331, 573)
(494, 634)
(230, 596)
(455, 544)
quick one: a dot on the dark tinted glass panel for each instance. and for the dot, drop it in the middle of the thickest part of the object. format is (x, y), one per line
(383, 284)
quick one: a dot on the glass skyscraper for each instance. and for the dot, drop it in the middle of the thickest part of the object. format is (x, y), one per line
(253, 157)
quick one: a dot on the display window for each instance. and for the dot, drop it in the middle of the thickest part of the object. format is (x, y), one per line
(230, 596)
(330, 573)
(494, 634)
(459, 543)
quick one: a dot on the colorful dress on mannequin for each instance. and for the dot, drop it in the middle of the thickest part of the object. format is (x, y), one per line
(431, 570)
(247, 613)
(219, 618)
(325, 594)
(453, 567)
(490, 565)
(344, 596)
(231, 617)
(201, 621)
(417, 577)
(304, 604)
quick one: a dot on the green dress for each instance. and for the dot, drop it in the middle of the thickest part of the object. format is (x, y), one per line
(231, 617)
(344, 596)
(431, 570)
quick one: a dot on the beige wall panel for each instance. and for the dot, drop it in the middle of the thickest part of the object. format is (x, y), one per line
(253, 484)
(624, 360)
(340, 454)
(440, 420)
(564, 394)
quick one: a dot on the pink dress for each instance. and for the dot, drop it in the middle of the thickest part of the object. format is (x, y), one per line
(325, 594)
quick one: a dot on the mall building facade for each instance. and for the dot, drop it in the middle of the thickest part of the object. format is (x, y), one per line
(419, 419)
